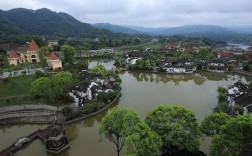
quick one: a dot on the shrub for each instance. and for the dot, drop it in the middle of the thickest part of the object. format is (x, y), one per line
(117, 86)
(39, 74)
(67, 98)
(68, 112)
(88, 108)
(112, 95)
(6, 79)
(103, 97)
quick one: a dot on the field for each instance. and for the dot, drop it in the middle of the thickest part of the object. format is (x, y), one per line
(16, 86)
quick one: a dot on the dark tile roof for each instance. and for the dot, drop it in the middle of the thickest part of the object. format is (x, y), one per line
(243, 100)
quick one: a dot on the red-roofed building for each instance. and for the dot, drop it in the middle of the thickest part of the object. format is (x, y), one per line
(32, 56)
(15, 58)
(53, 61)
(33, 46)
(32, 52)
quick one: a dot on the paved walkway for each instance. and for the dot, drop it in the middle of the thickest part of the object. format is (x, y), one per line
(242, 73)
(20, 72)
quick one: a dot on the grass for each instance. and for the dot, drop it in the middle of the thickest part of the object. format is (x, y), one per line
(25, 101)
(16, 86)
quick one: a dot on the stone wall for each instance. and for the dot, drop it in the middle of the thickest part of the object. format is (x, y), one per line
(38, 113)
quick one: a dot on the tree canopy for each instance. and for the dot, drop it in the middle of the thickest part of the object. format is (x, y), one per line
(99, 70)
(42, 87)
(233, 137)
(177, 126)
(61, 81)
(42, 54)
(142, 141)
(68, 54)
(212, 123)
(115, 125)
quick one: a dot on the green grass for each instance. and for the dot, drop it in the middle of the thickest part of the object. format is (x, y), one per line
(16, 86)
(25, 101)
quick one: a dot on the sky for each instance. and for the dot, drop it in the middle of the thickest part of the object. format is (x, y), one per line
(147, 13)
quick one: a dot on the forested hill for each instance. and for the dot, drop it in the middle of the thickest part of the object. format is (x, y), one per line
(47, 23)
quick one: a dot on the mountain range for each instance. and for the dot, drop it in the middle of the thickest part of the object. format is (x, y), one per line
(45, 22)
(210, 31)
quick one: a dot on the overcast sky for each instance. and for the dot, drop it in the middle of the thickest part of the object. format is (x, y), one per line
(148, 13)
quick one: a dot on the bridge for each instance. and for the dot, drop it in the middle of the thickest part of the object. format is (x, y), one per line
(39, 134)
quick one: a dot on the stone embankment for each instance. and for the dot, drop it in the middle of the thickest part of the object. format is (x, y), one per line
(38, 113)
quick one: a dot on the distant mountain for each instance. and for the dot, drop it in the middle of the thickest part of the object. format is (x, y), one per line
(183, 30)
(116, 28)
(46, 22)
(241, 29)
(209, 31)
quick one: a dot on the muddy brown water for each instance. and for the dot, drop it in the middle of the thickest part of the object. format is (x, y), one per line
(141, 92)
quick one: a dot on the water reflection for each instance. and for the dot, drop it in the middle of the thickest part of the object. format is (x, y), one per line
(72, 132)
(140, 92)
(107, 63)
(198, 78)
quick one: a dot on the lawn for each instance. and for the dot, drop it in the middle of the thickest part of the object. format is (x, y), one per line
(16, 86)
(25, 101)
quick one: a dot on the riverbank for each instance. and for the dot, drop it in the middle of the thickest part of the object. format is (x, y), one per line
(40, 114)
(242, 73)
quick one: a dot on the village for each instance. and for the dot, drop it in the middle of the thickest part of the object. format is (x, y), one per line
(97, 88)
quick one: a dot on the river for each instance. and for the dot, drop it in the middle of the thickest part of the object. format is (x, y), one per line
(141, 92)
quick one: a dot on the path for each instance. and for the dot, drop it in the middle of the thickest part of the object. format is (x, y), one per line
(19, 72)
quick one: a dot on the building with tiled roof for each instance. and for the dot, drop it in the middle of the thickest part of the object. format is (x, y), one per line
(241, 94)
(15, 58)
(53, 61)
(33, 46)
(32, 55)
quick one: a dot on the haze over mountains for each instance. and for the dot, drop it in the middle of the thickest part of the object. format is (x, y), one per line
(210, 31)
(49, 23)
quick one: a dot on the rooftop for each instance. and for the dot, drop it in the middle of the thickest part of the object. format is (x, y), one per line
(33, 46)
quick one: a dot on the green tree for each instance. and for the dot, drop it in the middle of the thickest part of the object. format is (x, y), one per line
(81, 65)
(61, 81)
(99, 70)
(68, 112)
(42, 87)
(115, 125)
(212, 123)
(39, 40)
(42, 58)
(222, 90)
(177, 126)
(203, 54)
(68, 54)
(235, 135)
(142, 141)
(4, 61)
